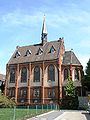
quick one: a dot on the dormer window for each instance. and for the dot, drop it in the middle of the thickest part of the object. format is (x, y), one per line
(52, 50)
(40, 51)
(28, 53)
(17, 54)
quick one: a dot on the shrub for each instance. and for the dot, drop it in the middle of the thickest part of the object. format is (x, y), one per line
(70, 102)
(6, 102)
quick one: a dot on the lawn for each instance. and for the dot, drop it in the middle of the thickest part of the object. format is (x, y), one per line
(18, 113)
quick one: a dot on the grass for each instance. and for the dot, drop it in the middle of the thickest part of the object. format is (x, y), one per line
(20, 113)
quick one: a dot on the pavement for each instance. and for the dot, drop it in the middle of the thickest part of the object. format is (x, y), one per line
(63, 115)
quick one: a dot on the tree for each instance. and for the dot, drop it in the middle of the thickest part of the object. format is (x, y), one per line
(70, 88)
(70, 100)
(86, 80)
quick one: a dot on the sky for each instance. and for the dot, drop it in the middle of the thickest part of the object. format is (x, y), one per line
(21, 24)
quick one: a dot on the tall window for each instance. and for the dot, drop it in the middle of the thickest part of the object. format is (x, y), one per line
(37, 74)
(23, 92)
(51, 93)
(24, 74)
(51, 73)
(76, 74)
(66, 74)
(36, 92)
(12, 75)
(12, 92)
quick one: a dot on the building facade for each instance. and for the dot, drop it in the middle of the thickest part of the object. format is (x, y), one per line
(37, 74)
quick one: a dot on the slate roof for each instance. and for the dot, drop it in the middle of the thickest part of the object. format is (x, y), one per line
(46, 55)
(69, 57)
(77, 83)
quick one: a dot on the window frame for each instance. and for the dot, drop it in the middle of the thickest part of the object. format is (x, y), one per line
(24, 75)
(36, 74)
(51, 73)
(12, 75)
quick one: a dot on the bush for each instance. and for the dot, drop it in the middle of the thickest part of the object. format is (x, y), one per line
(6, 102)
(69, 102)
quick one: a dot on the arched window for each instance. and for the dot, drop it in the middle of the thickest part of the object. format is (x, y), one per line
(24, 74)
(12, 75)
(76, 74)
(66, 74)
(51, 73)
(37, 74)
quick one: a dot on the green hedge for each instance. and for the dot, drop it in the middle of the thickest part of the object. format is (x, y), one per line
(69, 102)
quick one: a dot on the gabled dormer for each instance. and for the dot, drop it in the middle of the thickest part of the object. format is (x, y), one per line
(40, 51)
(52, 50)
(17, 54)
(28, 53)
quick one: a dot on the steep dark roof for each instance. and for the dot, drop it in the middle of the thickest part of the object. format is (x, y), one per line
(70, 57)
(77, 83)
(45, 55)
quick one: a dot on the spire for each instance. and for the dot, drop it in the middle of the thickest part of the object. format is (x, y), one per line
(44, 32)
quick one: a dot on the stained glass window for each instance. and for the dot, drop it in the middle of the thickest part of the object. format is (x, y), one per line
(51, 73)
(12, 75)
(24, 74)
(37, 74)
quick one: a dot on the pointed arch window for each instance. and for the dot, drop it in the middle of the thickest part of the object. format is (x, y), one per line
(51, 73)
(24, 74)
(76, 74)
(52, 50)
(40, 51)
(28, 53)
(17, 54)
(66, 74)
(12, 75)
(37, 74)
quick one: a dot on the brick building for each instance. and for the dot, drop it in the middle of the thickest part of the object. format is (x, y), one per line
(37, 74)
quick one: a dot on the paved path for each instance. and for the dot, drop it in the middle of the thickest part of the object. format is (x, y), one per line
(63, 115)
(47, 116)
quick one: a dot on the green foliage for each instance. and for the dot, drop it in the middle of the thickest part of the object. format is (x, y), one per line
(70, 101)
(70, 88)
(6, 102)
(86, 79)
(88, 69)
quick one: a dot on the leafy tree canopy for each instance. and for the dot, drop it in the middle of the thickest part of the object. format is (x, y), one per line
(70, 88)
(86, 79)
(87, 76)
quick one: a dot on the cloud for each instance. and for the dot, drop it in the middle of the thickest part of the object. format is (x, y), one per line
(19, 18)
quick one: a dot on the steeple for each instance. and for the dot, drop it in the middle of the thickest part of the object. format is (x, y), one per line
(44, 32)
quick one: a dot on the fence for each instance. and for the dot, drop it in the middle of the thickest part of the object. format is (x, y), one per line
(83, 102)
(23, 112)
